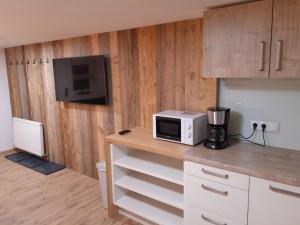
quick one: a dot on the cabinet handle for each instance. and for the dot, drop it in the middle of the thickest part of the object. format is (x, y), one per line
(286, 192)
(225, 193)
(278, 55)
(225, 176)
(262, 56)
(211, 221)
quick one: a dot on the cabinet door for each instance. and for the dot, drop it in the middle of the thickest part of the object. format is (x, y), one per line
(285, 59)
(237, 40)
(272, 203)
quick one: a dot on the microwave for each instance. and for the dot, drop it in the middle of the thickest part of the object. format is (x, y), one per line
(179, 126)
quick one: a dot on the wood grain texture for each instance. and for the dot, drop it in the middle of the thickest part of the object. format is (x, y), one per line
(142, 139)
(275, 164)
(286, 28)
(232, 40)
(18, 82)
(65, 197)
(152, 68)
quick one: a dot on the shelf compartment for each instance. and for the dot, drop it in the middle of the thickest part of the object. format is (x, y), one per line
(154, 165)
(151, 210)
(166, 192)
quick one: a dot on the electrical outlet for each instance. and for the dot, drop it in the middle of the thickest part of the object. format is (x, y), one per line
(271, 126)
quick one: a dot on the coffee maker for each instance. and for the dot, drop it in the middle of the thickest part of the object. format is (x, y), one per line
(218, 120)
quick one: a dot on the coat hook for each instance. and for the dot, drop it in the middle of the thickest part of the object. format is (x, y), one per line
(22, 62)
(11, 62)
(33, 61)
(28, 62)
(17, 62)
(41, 61)
(48, 60)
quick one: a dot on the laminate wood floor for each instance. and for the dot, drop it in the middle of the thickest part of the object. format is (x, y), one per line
(63, 198)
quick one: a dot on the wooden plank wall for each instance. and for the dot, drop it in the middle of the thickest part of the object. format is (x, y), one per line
(152, 69)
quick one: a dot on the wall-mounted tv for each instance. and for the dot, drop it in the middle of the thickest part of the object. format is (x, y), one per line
(81, 79)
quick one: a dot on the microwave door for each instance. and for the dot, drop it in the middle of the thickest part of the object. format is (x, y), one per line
(168, 128)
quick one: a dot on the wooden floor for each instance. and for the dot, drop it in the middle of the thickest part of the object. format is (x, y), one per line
(63, 198)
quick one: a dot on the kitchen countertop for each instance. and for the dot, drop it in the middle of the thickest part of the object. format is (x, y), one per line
(141, 138)
(276, 164)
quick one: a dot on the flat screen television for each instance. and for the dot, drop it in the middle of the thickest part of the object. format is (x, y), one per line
(81, 79)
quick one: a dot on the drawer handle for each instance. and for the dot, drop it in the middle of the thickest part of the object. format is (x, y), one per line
(262, 56)
(286, 192)
(278, 55)
(211, 221)
(224, 176)
(225, 193)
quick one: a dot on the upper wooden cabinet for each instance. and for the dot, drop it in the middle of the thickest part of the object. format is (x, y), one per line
(237, 40)
(285, 59)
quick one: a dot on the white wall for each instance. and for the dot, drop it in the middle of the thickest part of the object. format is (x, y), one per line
(6, 131)
(267, 100)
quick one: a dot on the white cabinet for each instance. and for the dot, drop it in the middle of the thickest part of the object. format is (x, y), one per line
(272, 203)
(221, 197)
(223, 200)
(214, 196)
(217, 175)
(196, 216)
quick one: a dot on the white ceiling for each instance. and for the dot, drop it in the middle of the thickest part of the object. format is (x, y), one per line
(32, 21)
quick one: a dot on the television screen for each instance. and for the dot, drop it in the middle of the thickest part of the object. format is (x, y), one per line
(81, 79)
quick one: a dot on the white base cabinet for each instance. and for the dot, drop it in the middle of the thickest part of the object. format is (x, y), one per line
(196, 216)
(214, 196)
(272, 203)
(218, 197)
(223, 200)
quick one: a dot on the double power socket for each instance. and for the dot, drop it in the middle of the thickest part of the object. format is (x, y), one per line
(270, 126)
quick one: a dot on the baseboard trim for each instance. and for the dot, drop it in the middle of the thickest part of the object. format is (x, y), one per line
(8, 151)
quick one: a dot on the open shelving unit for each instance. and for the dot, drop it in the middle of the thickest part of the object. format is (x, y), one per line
(148, 163)
(153, 188)
(147, 185)
(150, 210)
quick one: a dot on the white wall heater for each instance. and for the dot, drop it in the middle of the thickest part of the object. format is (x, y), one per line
(28, 136)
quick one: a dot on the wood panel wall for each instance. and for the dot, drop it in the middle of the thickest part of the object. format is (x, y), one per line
(152, 69)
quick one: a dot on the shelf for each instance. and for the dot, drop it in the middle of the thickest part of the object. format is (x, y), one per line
(150, 210)
(158, 166)
(168, 193)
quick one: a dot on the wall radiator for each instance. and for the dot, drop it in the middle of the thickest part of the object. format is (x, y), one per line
(29, 136)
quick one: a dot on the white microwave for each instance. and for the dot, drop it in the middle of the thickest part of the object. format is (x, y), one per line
(178, 126)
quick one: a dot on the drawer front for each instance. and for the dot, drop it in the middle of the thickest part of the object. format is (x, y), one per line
(218, 175)
(196, 216)
(273, 203)
(218, 198)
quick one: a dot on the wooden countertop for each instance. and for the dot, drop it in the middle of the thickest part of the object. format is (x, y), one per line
(141, 138)
(276, 164)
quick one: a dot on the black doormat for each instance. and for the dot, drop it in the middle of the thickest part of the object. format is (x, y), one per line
(40, 165)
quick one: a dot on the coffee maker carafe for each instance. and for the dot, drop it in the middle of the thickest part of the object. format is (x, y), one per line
(218, 120)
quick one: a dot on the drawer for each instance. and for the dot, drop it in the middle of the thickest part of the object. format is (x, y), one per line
(217, 198)
(218, 175)
(196, 216)
(273, 203)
